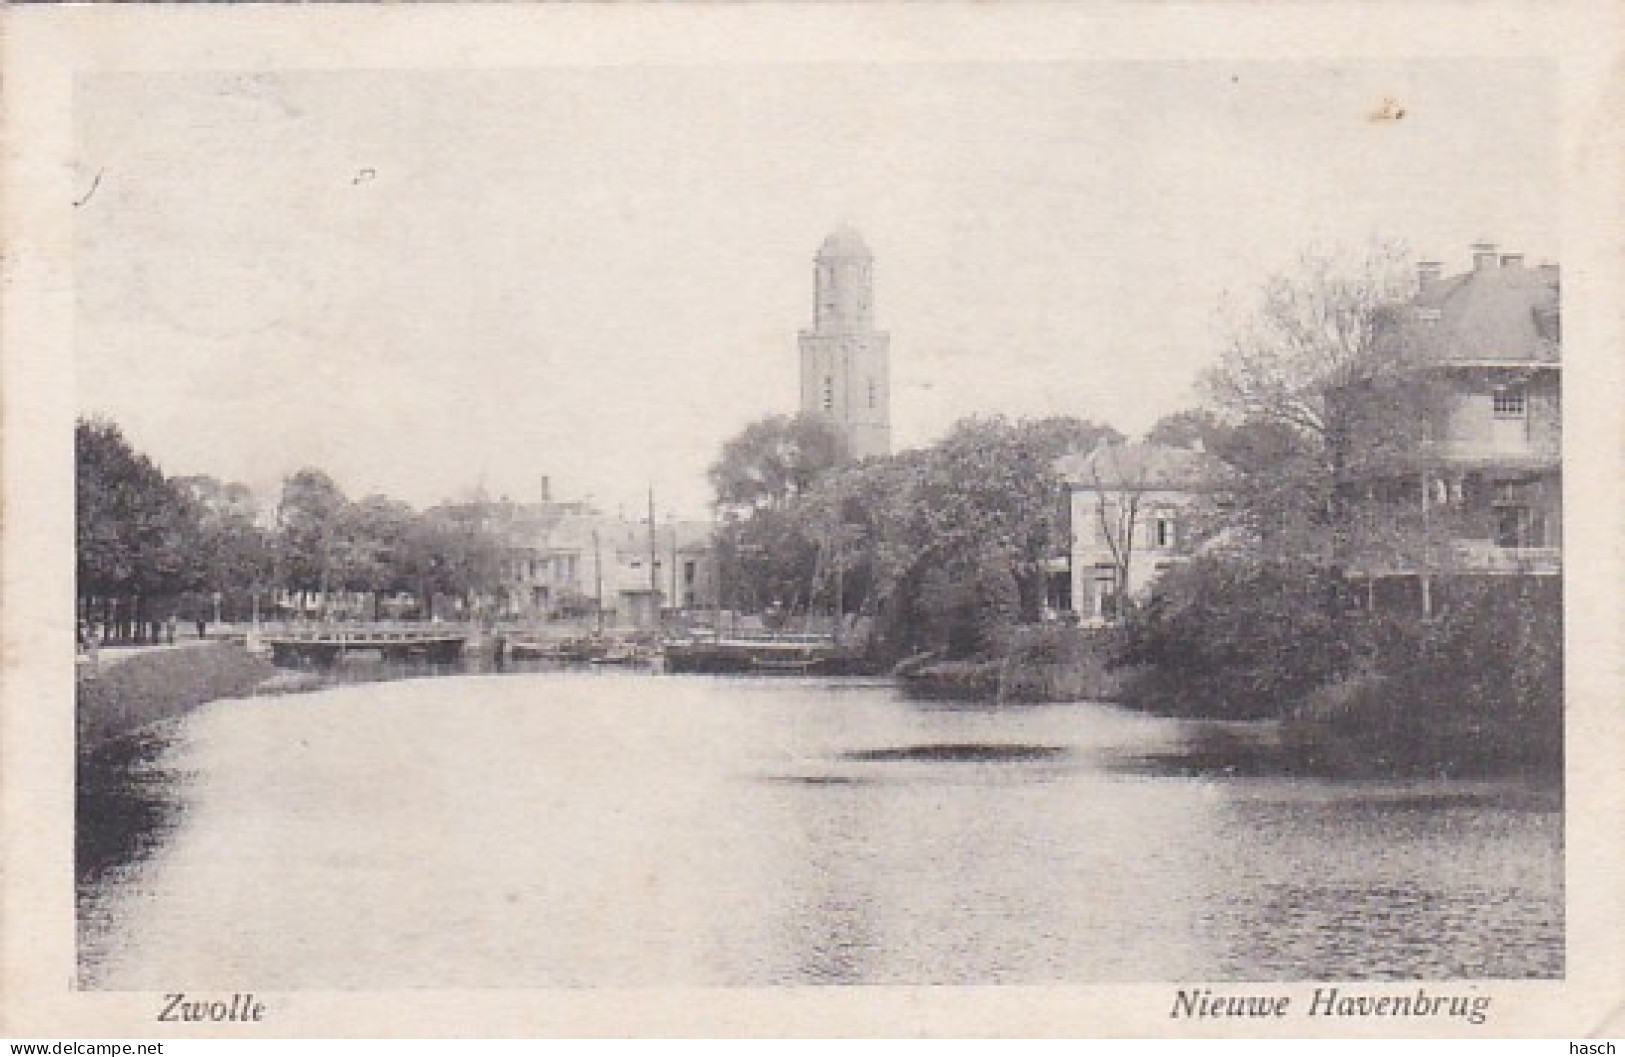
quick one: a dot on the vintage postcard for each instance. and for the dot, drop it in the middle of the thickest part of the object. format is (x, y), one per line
(813, 521)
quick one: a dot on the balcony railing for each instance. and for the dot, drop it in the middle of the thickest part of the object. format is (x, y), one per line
(1483, 556)
(1495, 451)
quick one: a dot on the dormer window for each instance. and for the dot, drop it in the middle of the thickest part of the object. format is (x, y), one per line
(1428, 315)
(1510, 404)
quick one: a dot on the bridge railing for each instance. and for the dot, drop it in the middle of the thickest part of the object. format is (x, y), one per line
(379, 631)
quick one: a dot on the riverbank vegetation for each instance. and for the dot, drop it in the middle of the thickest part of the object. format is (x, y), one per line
(116, 698)
(1033, 664)
(1474, 688)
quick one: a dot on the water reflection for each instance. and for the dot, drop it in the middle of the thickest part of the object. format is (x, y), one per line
(1485, 878)
(599, 828)
(123, 804)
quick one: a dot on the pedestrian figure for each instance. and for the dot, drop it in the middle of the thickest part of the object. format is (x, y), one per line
(169, 629)
(88, 641)
(202, 628)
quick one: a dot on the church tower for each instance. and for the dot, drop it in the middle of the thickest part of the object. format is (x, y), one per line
(844, 361)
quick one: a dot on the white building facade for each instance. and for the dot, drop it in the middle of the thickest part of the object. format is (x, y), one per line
(1135, 510)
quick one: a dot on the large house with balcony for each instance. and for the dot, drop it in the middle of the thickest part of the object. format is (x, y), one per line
(1482, 487)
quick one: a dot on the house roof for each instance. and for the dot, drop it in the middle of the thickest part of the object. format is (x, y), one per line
(1144, 466)
(572, 526)
(1499, 313)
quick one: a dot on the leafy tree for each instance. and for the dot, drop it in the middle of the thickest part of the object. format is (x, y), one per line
(458, 550)
(861, 514)
(309, 522)
(1190, 428)
(371, 552)
(772, 560)
(982, 505)
(134, 529)
(767, 544)
(1060, 435)
(233, 555)
(1239, 639)
(975, 612)
(989, 491)
(773, 461)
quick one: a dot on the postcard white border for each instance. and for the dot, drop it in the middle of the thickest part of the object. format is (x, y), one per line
(46, 47)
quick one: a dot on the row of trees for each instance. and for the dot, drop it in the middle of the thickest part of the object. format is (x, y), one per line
(150, 546)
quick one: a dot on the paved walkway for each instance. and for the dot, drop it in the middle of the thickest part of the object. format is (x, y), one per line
(108, 655)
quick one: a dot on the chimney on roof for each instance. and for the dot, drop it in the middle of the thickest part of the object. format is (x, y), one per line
(1512, 260)
(547, 489)
(1484, 256)
(1428, 272)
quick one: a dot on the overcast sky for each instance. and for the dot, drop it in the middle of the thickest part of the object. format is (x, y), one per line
(424, 282)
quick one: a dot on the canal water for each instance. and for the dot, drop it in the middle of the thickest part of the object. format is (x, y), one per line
(605, 828)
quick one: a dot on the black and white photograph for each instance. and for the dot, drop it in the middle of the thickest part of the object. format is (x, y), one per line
(824, 523)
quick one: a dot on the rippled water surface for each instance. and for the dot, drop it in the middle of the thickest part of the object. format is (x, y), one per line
(562, 829)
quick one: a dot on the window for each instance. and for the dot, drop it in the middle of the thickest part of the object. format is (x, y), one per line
(1514, 526)
(1509, 404)
(872, 390)
(1162, 531)
(829, 393)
